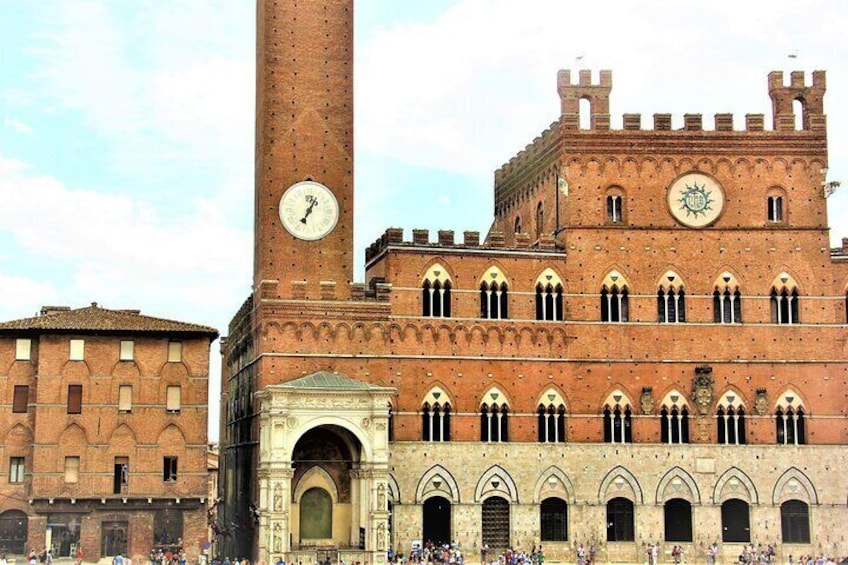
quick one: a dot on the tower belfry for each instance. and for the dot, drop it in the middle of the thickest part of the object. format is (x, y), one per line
(304, 148)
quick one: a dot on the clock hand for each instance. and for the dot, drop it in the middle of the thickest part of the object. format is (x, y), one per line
(308, 211)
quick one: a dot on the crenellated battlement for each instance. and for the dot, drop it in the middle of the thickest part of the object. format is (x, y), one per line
(394, 237)
(565, 135)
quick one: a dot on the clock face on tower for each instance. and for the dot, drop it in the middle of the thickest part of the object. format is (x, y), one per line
(695, 200)
(309, 210)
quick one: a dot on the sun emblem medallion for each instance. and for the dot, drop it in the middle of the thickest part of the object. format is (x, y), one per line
(695, 200)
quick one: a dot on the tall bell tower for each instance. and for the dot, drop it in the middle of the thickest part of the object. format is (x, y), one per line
(304, 148)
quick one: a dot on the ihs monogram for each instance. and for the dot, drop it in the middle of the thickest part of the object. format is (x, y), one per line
(695, 200)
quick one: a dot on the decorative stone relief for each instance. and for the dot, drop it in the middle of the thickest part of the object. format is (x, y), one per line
(761, 402)
(278, 497)
(381, 496)
(647, 401)
(278, 538)
(702, 390)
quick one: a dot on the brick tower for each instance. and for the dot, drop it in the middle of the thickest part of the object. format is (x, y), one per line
(304, 132)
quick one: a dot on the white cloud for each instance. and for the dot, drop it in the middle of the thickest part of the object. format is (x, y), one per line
(117, 251)
(22, 296)
(18, 126)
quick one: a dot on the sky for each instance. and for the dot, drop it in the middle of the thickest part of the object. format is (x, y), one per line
(126, 126)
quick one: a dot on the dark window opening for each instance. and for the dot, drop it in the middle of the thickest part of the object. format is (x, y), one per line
(678, 520)
(620, 520)
(784, 306)
(614, 305)
(121, 475)
(671, 306)
(735, 521)
(614, 209)
(548, 302)
(554, 520)
(795, 522)
(169, 469)
(493, 301)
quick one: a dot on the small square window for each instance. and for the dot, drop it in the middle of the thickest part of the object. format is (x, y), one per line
(77, 350)
(127, 350)
(173, 400)
(74, 399)
(23, 349)
(169, 469)
(125, 398)
(21, 399)
(175, 351)
(72, 467)
(16, 469)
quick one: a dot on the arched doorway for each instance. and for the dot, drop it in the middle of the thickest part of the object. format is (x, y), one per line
(678, 520)
(113, 538)
(437, 520)
(13, 532)
(326, 460)
(496, 524)
(735, 521)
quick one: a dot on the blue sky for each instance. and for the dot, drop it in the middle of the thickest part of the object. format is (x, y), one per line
(126, 126)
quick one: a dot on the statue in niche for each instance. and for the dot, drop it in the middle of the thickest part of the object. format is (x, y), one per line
(278, 497)
(647, 400)
(278, 538)
(381, 537)
(381, 496)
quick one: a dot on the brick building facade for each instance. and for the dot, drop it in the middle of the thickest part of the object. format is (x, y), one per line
(104, 433)
(647, 346)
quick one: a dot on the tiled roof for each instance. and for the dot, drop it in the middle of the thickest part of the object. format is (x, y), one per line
(101, 320)
(323, 379)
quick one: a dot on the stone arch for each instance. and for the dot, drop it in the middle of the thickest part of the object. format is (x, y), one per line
(789, 398)
(619, 482)
(437, 481)
(677, 483)
(552, 395)
(496, 481)
(364, 449)
(553, 482)
(786, 281)
(437, 395)
(617, 397)
(549, 277)
(316, 476)
(674, 398)
(494, 395)
(436, 272)
(494, 274)
(671, 280)
(394, 490)
(726, 279)
(794, 484)
(614, 278)
(734, 483)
